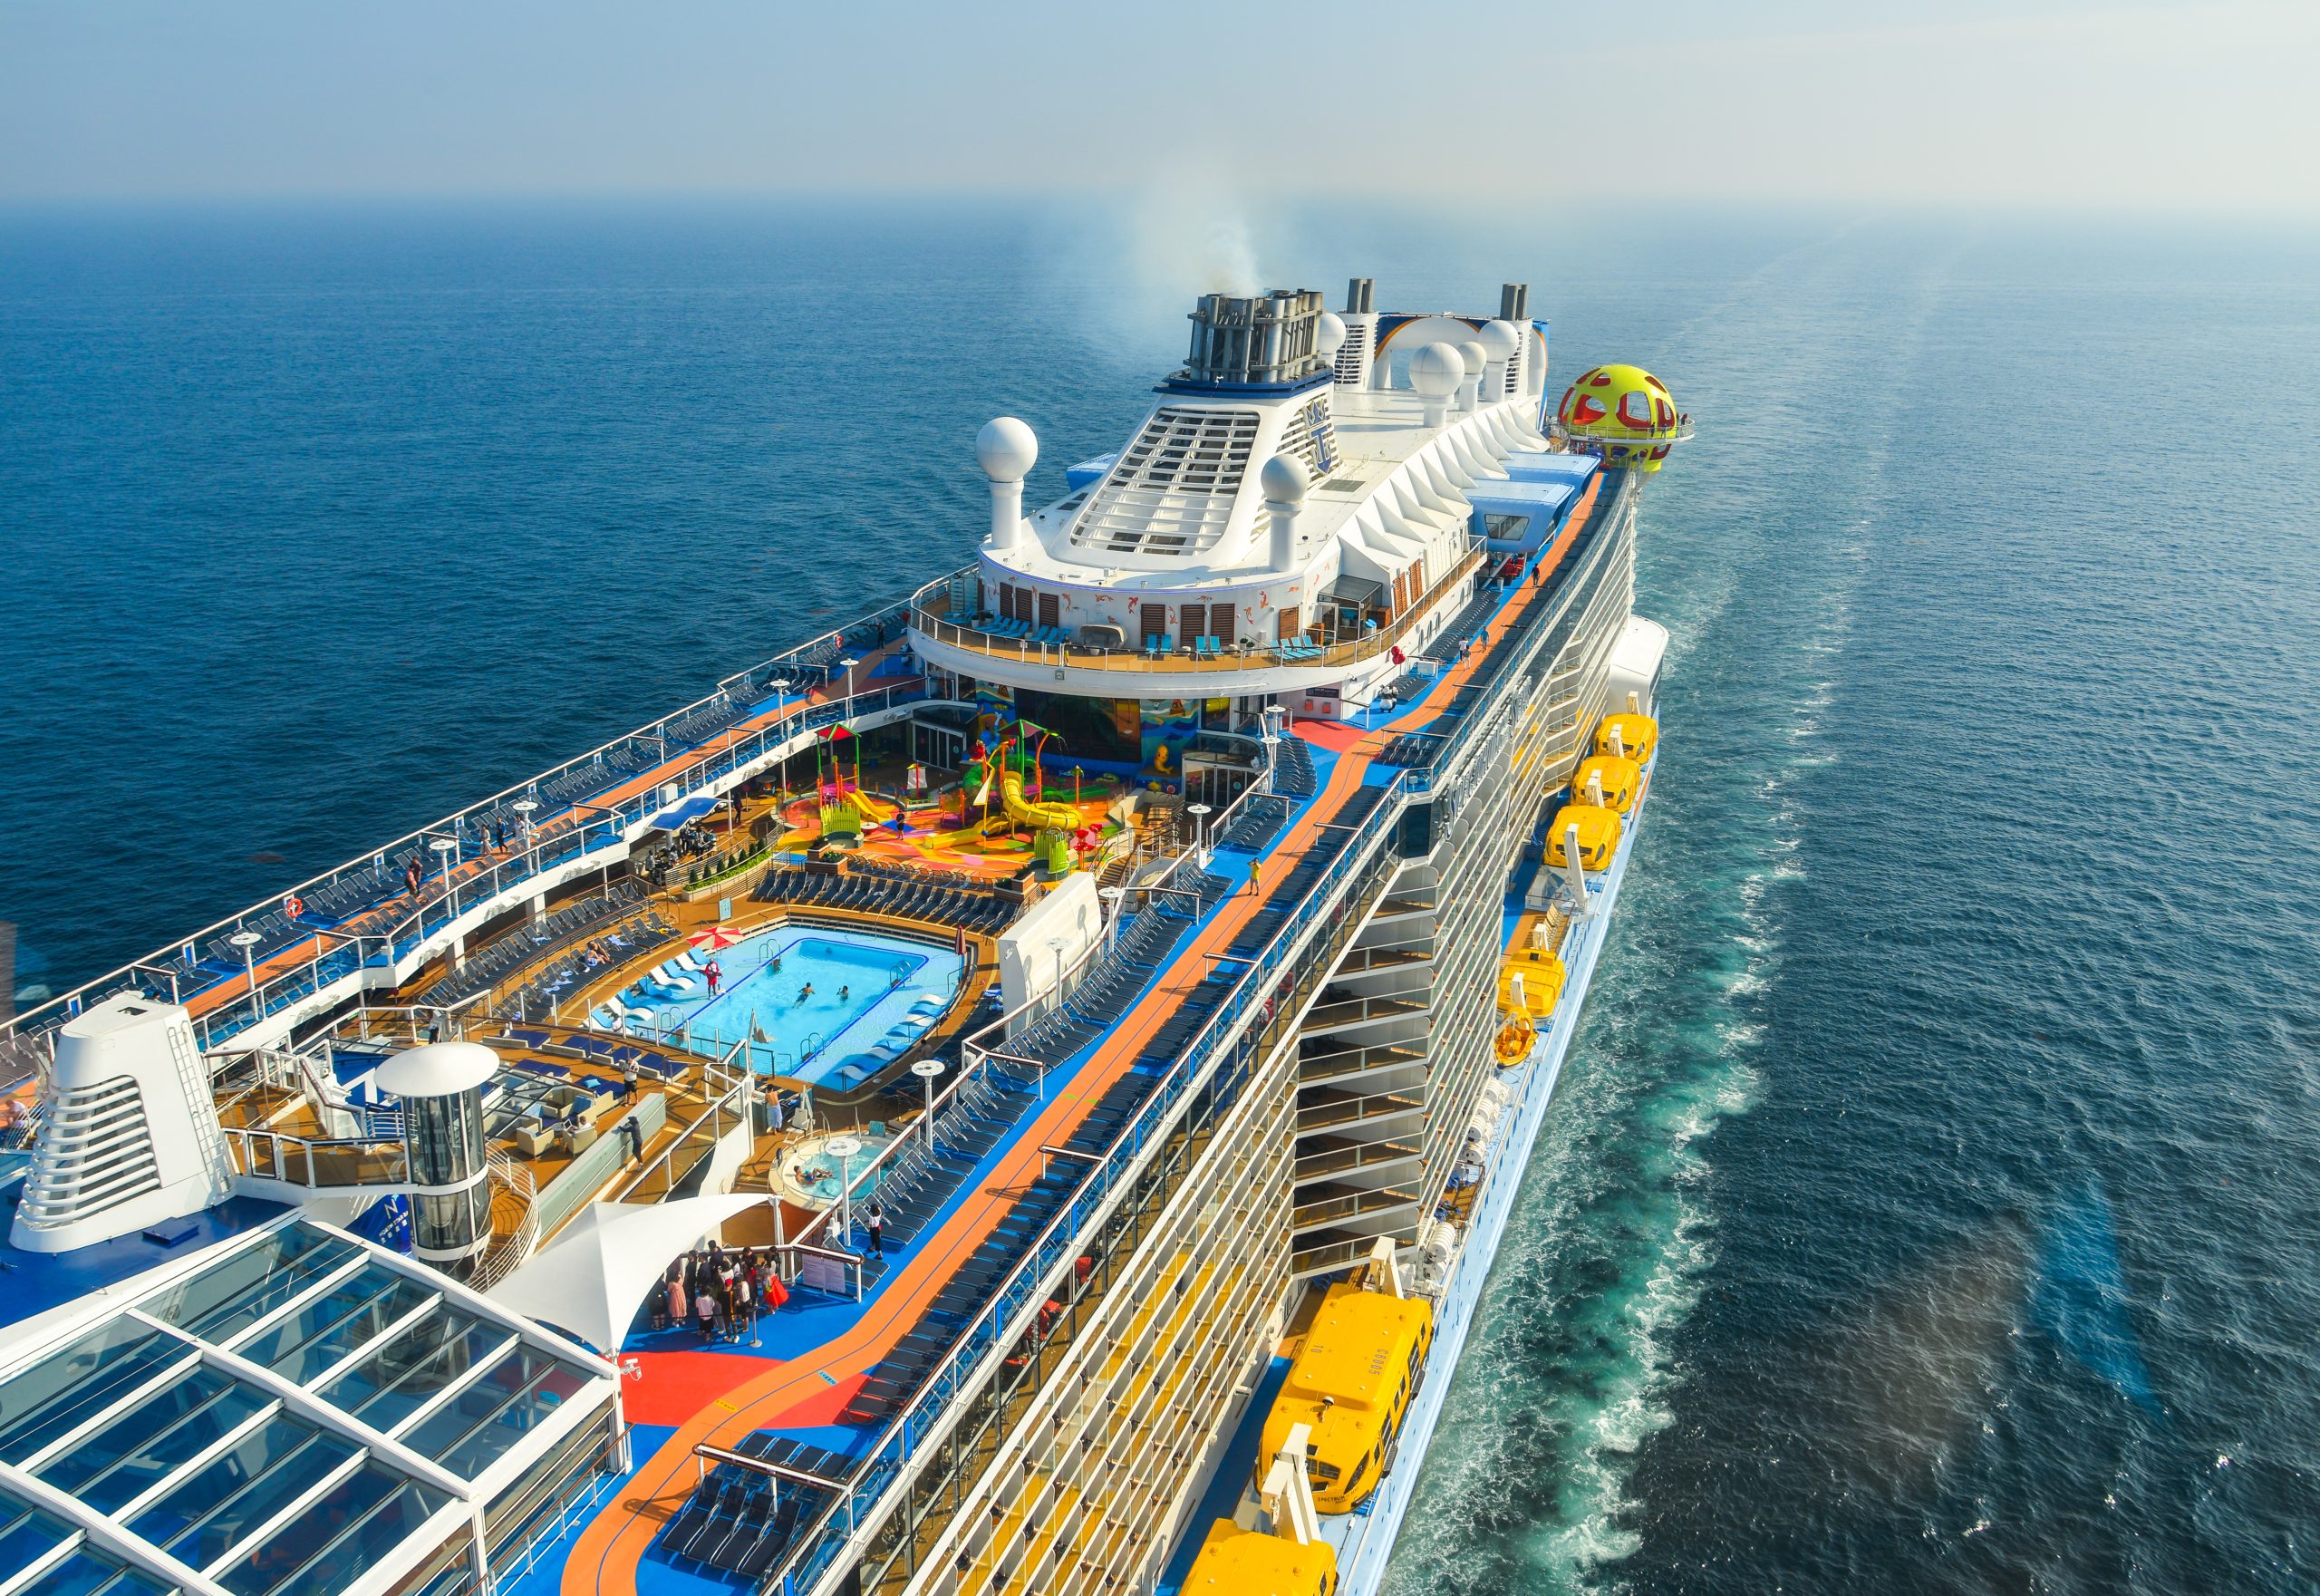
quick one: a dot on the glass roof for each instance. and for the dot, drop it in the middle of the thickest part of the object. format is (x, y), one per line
(174, 1419)
(27, 1534)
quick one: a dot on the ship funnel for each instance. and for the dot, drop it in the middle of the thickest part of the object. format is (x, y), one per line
(1007, 449)
(1284, 480)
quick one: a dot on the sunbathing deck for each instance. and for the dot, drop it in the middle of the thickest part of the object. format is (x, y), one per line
(963, 1257)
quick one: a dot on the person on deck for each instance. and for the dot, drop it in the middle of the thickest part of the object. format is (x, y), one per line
(704, 1313)
(676, 1301)
(876, 1221)
(714, 974)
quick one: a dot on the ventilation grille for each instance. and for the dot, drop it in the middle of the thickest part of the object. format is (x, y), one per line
(95, 1153)
(1353, 352)
(1514, 368)
(1311, 436)
(1172, 491)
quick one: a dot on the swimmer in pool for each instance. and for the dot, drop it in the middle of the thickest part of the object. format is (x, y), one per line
(805, 991)
(845, 992)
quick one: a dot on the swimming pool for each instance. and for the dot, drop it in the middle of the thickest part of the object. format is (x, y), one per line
(819, 1003)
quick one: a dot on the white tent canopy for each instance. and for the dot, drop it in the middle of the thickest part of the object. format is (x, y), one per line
(593, 1278)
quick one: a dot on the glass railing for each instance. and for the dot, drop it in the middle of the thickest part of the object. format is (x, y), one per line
(931, 617)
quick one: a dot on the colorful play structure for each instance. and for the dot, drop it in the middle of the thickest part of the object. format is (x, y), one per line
(1001, 818)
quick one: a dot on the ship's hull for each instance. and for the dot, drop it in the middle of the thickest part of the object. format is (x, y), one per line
(1365, 1540)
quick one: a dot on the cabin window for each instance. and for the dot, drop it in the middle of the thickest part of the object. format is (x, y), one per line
(1155, 620)
(1289, 623)
(1051, 610)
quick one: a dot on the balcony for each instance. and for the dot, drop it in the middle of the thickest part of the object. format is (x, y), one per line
(997, 638)
(1323, 1019)
(1339, 1205)
(1327, 1108)
(1321, 1157)
(1338, 1065)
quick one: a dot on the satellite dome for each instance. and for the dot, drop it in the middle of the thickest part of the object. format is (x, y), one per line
(1471, 352)
(1627, 410)
(1007, 449)
(1329, 336)
(1284, 479)
(1437, 370)
(1500, 340)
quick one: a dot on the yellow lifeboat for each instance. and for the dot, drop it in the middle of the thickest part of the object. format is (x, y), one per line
(1637, 735)
(1234, 1562)
(1598, 835)
(1512, 1043)
(1621, 779)
(1351, 1383)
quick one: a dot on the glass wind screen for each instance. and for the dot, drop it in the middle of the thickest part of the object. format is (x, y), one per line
(27, 1534)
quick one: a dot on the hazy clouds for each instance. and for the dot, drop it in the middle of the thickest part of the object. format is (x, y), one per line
(2046, 103)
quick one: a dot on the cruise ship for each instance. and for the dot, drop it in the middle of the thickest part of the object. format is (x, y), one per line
(1018, 1093)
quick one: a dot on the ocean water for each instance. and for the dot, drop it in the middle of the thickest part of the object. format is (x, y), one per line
(1929, 1205)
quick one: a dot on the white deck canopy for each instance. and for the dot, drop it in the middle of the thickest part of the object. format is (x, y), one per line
(593, 1278)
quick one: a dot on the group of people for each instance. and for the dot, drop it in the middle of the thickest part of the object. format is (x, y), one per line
(721, 1291)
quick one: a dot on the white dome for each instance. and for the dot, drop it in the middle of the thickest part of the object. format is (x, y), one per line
(1437, 371)
(1500, 340)
(439, 1069)
(1329, 336)
(1472, 353)
(1007, 449)
(1284, 479)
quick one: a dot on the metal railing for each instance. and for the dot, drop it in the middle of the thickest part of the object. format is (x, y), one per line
(501, 1258)
(318, 1163)
(930, 616)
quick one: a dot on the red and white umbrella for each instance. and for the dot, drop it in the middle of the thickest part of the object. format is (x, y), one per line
(714, 938)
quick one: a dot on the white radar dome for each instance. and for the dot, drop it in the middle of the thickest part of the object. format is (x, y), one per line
(1284, 479)
(1437, 371)
(1471, 352)
(1500, 340)
(1329, 336)
(1007, 449)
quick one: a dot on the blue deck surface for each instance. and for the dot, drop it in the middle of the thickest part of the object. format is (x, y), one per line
(1232, 1478)
(32, 1283)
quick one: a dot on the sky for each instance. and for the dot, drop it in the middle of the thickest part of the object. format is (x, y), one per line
(2042, 104)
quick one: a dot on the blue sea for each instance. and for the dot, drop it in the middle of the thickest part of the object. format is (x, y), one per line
(1930, 1203)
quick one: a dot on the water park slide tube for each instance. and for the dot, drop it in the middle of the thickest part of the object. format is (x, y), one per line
(1061, 816)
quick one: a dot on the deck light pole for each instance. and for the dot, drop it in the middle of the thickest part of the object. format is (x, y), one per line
(1199, 812)
(780, 684)
(843, 1148)
(247, 941)
(447, 849)
(1112, 896)
(926, 1070)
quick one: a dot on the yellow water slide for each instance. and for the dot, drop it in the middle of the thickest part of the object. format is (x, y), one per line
(1061, 817)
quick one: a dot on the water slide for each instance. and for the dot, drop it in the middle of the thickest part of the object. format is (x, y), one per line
(1061, 817)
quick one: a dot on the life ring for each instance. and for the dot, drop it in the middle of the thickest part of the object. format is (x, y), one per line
(293, 906)
(1514, 1039)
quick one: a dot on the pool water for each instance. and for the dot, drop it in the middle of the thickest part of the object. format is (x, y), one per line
(814, 1003)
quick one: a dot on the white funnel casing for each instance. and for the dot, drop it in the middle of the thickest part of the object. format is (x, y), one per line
(1007, 449)
(130, 1137)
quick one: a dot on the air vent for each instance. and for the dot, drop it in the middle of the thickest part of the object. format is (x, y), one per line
(1172, 491)
(95, 1152)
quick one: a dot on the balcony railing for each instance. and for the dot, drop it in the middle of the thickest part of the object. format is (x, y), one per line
(931, 616)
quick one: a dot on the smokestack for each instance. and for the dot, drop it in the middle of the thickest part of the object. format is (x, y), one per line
(1007, 449)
